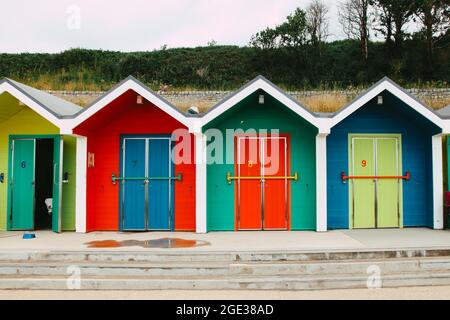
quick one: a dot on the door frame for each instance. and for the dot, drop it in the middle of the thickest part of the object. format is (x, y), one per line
(351, 136)
(121, 199)
(56, 138)
(285, 136)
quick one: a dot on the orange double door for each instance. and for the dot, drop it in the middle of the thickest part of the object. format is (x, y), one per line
(262, 187)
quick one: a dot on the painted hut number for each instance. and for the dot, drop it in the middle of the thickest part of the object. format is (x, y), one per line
(364, 163)
(23, 164)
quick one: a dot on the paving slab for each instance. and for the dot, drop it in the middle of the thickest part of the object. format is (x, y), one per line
(336, 240)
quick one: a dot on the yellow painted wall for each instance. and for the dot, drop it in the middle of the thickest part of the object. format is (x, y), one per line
(25, 121)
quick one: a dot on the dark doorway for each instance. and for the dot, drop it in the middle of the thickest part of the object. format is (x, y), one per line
(43, 183)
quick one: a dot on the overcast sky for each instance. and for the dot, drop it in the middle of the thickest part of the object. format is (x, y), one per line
(136, 25)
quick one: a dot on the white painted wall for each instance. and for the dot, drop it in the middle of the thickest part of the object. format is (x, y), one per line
(321, 182)
(81, 164)
(438, 183)
(200, 196)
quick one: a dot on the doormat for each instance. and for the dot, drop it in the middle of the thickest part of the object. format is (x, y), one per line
(164, 243)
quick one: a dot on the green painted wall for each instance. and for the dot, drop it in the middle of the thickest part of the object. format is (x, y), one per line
(69, 189)
(248, 114)
(16, 119)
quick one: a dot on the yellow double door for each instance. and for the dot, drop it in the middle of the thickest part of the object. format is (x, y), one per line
(375, 196)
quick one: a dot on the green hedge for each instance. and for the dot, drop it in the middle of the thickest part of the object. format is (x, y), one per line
(335, 64)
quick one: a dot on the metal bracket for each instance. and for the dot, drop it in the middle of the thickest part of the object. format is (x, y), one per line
(294, 177)
(114, 178)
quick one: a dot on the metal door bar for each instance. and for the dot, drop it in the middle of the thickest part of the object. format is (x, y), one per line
(230, 177)
(344, 177)
(114, 178)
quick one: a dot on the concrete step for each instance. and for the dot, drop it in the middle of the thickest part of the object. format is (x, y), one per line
(114, 268)
(218, 256)
(355, 267)
(220, 283)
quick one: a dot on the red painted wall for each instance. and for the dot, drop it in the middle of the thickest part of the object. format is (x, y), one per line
(103, 130)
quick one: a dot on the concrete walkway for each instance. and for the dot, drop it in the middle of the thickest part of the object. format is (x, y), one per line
(409, 293)
(239, 241)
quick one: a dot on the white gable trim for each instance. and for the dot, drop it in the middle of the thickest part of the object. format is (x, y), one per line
(446, 126)
(270, 89)
(29, 102)
(129, 84)
(397, 92)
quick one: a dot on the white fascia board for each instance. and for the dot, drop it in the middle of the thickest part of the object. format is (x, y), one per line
(294, 106)
(161, 104)
(400, 94)
(195, 125)
(356, 105)
(129, 85)
(324, 125)
(33, 105)
(66, 126)
(446, 126)
(263, 85)
(416, 105)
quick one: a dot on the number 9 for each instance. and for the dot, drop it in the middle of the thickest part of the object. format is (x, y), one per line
(364, 163)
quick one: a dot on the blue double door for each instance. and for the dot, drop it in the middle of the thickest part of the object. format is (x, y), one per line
(147, 188)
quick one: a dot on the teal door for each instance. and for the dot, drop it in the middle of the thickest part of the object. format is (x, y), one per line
(22, 184)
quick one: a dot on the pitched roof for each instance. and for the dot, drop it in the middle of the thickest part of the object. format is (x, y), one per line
(58, 107)
(390, 86)
(130, 83)
(262, 83)
(444, 112)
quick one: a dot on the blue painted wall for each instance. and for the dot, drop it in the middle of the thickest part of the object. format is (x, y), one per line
(393, 117)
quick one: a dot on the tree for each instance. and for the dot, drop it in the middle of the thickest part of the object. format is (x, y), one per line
(384, 19)
(292, 33)
(266, 39)
(435, 17)
(354, 18)
(393, 16)
(317, 21)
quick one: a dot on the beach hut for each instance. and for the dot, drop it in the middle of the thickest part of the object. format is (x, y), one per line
(259, 163)
(384, 162)
(135, 182)
(37, 162)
